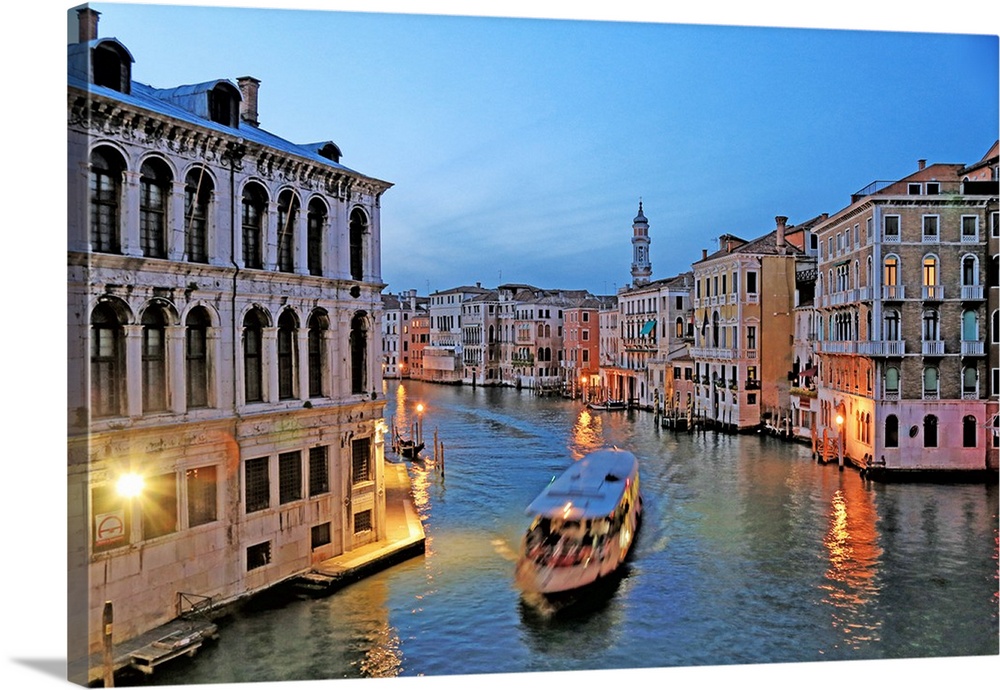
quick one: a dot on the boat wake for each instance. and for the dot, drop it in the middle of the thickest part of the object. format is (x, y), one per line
(503, 549)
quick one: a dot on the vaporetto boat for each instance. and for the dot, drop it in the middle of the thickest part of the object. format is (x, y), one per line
(584, 523)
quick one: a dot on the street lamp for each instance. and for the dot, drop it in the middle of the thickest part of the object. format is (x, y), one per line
(840, 441)
(420, 423)
(128, 486)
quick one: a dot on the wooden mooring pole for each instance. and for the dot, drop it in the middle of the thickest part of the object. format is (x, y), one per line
(107, 627)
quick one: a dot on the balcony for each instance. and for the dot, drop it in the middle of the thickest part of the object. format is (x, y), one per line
(751, 385)
(838, 347)
(893, 293)
(882, 348)
(972, 292)
(933, 293)
(932, 348)
(973, 348)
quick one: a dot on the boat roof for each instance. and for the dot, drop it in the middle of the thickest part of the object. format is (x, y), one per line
(589, 488)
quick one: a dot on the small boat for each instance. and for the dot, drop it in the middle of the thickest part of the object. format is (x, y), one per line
(407, 448)
(584, 523)
(607, 405)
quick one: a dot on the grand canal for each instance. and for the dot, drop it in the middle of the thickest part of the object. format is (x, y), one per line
(750, 552)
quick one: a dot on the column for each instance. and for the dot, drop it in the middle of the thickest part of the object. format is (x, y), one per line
(302, 362)
(269, 363)
(269, 249)
(133, 369)
(176, 230)
(176, 369)
(300, 244)
(129, 214)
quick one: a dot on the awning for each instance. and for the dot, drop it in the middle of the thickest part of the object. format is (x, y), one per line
(647, 328)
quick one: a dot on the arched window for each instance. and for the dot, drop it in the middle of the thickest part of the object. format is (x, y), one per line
(890, 274)
(892, 431)
(253, 356)
(197, 196)
(154, 191)
(970, 326)
(932, 325)
(994, 277)
(154, 360)
(287, 341)
(107, 362)
(970, 382)
(106, 169)
(892, 381)
(315, 222)
(679, 327)
(288, 211)
(358, 231)
(970, 270)
(196, 357)
(930, 273)
(969, 431)
(931, 382)
(254, 208)
(319, 322)
(359, 353)
(715, 329)
(930, 431)
(891, 325)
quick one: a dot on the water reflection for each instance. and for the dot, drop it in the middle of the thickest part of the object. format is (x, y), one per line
(587, 435)
(850, 586)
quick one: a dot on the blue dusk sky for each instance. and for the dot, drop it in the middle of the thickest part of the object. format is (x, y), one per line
(519, 147)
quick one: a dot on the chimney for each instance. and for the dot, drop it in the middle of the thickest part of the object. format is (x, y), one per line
(780, 239)
(87, 18)
(704, 254)
(921, 164)
(248, 107)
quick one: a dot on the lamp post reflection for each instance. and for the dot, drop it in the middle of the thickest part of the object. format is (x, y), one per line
(420, 423)
(840, 441)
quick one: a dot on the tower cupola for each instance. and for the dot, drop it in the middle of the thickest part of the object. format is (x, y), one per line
(642, 269)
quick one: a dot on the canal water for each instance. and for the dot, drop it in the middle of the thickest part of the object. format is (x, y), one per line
(750, 552)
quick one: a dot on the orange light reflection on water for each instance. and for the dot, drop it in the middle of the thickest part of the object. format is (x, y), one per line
(588, 434)
(853, 555)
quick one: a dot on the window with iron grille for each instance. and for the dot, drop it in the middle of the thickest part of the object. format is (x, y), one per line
(153, 185)
(315, 220)
(197, 194)
(319, 471)
(258, 555)
(253, 212)
(196, 358)
(287, 207)
(107, 365)
(289, 477)
(201, 495)
(258, 484)
(105, 181)
(363, 521)
(361, 466)
(252, 358)
(286, 356)
(154, 363)
(320, 535)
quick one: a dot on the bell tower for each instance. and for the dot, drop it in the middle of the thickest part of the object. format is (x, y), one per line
(642, 269)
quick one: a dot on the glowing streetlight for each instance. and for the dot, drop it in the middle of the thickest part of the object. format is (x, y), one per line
(420, 423)
(129, 485)
(840, 441)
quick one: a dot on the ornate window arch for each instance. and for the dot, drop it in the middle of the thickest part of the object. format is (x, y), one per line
(358, 241)
(107, 168)
(254, 217)
(199, 189)
(155, 180)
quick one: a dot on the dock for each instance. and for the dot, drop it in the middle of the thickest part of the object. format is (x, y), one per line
(185, 635)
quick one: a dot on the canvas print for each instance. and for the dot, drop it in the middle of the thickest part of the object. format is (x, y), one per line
(435, 345)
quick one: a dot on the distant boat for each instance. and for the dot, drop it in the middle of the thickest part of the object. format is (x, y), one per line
(584, 524)
(607, 405)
